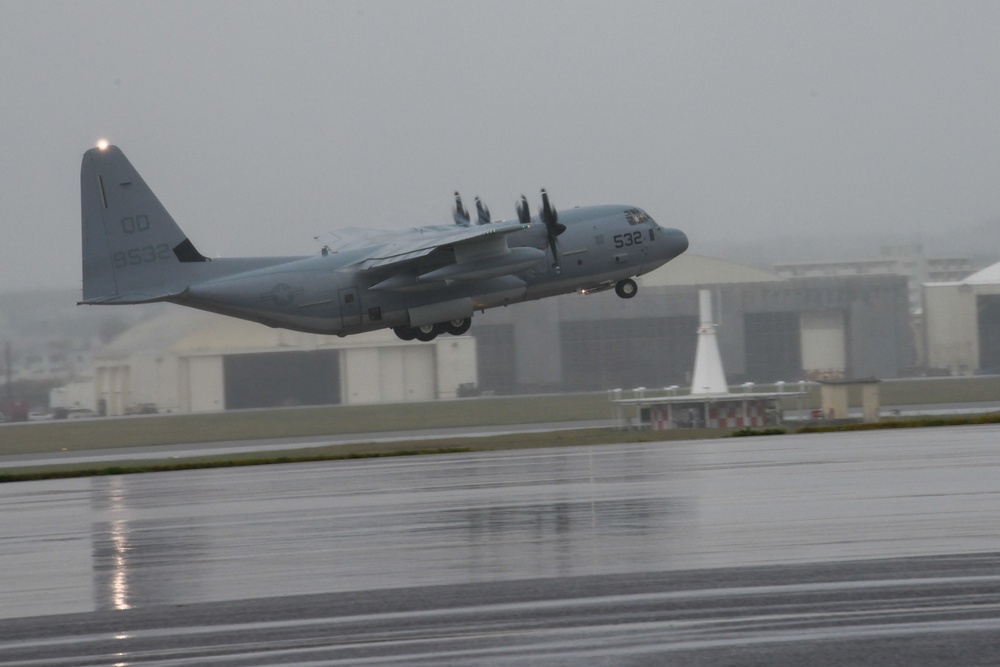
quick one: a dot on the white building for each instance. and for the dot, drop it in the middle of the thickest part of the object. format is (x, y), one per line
(189, 361)
(962, 323)
(75, 395)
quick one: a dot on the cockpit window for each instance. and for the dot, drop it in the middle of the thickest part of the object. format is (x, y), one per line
(636, 216)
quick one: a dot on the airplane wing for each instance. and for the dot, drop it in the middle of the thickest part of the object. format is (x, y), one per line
(481, 241)
(477, 252)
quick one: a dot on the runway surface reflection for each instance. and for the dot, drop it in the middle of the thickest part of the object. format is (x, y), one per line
(620, 553)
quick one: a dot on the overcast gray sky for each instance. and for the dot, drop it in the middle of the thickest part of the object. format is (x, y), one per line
(263, 124)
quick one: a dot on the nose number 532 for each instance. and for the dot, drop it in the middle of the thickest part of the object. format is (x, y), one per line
(624, 240)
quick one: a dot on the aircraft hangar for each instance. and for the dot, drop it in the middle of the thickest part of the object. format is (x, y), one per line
(962, 324)
(771, 328)
(190, 361)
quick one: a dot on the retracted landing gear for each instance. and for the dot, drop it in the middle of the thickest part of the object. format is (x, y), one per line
(429, 332)
(626, 289)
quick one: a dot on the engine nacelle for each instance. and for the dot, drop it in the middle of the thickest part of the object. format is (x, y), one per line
(446, 311)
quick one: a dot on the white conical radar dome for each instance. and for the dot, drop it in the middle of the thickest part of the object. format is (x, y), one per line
(709, 378)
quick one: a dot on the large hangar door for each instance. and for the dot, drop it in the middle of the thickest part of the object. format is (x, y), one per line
(495, 357)
(418, 369)
(824, 345)
(277, 379)
(773, 347)
(394, 374)
(988, 307)
(646, 352)
(205, 384)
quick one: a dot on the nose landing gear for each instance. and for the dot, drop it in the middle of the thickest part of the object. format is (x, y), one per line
(626, 289)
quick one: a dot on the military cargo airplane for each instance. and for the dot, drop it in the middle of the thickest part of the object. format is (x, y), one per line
(420, 282)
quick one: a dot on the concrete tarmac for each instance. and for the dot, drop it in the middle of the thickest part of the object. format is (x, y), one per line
(828, 549)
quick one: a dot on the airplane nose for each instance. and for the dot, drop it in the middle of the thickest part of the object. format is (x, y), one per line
(678, 241)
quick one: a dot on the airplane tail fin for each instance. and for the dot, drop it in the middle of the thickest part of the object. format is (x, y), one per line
(133, 251)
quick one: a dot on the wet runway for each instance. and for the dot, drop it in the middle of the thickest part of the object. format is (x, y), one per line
(737, 551)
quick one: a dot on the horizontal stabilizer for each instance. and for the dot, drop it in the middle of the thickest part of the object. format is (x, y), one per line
(127, 299)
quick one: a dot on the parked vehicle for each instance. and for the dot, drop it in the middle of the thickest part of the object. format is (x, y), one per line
(15, 411)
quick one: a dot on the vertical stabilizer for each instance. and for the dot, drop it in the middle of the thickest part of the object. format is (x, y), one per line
(709, 378)
(132, 249)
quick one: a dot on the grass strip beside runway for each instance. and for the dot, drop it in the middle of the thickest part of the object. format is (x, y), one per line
(144, 431)
(332, 452)
(916, 422)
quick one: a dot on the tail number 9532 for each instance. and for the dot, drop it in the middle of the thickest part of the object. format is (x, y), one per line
(625, 240)
(143, 255)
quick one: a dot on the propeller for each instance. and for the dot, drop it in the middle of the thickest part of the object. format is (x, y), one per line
(461, 215)
(523, 212)
(484, 212)
(553, 228)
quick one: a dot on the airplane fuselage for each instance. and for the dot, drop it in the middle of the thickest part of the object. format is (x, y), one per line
(324, 294)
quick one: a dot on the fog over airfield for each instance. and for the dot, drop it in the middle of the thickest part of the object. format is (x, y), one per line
(263, 124)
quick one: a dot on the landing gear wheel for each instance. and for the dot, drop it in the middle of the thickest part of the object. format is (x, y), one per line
(458, 327)
(426, 333)
(404, 333)
(626, 289)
